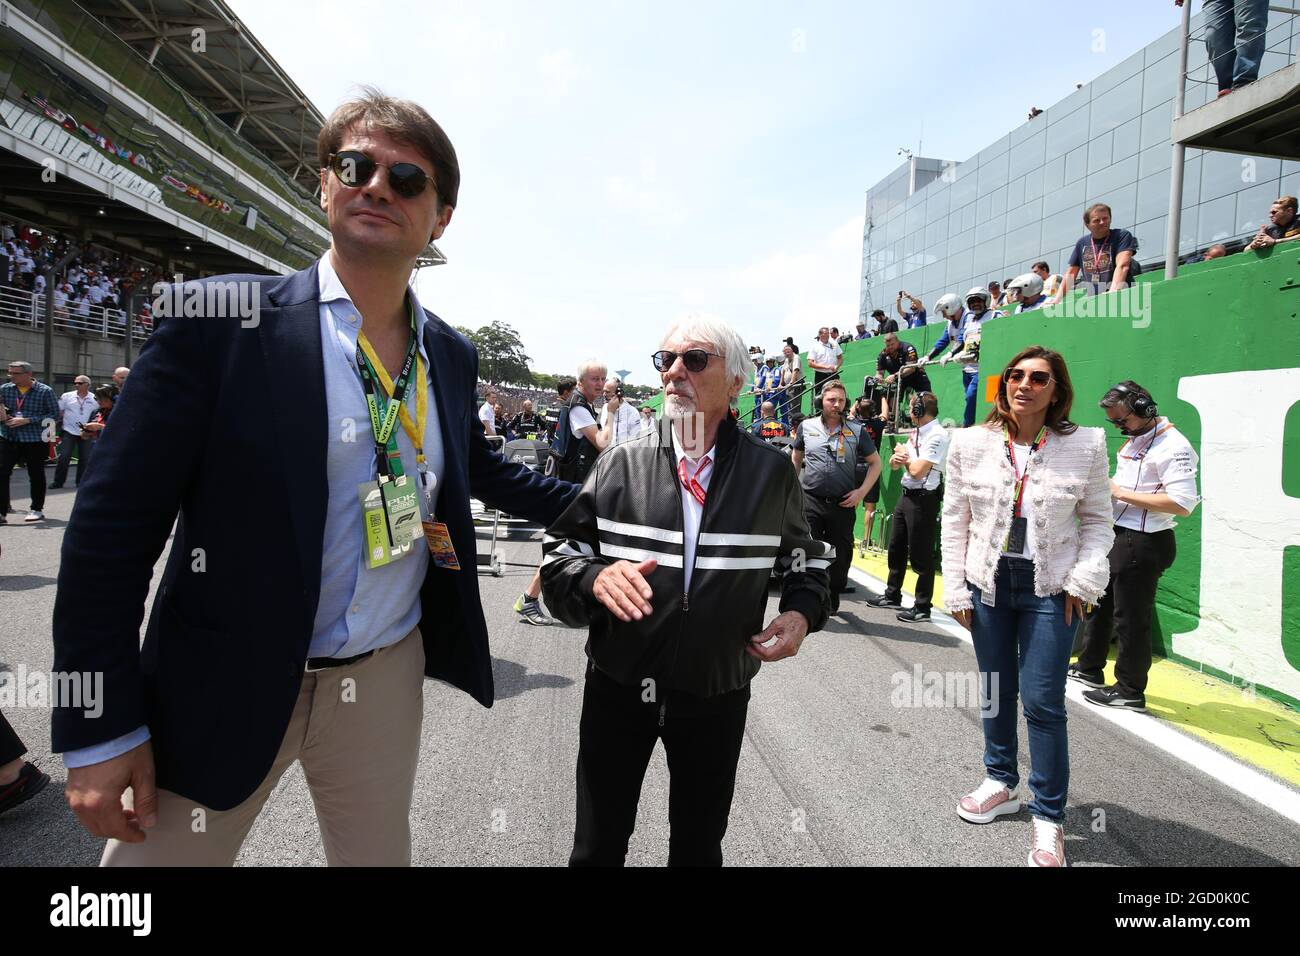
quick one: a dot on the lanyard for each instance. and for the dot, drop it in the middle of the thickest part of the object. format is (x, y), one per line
(22, 397)
(1021, 475)
(1096, 260)
(386, 406)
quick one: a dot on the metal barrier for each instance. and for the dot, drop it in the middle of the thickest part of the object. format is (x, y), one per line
(20, 307)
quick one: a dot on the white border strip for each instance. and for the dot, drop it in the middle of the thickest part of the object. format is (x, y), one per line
(637, 554)
(709, 538)
(1229, 771)
(638, 530)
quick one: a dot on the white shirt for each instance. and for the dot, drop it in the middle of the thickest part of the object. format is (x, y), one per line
(692, 510)
(825, 354)
(579, 418)
(1026, 504)
(1159, 462)
(76, 410)
(928, 443)
(488, 416)
(95, 294)
(627, 423)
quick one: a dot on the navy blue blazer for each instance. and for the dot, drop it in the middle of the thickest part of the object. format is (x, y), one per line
(226, 427)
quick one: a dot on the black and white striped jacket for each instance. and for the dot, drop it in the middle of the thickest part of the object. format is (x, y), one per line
(630, 507)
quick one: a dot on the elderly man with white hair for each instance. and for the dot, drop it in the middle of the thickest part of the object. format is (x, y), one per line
(665, 555)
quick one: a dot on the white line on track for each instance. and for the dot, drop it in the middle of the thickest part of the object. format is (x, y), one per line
(1230, 772)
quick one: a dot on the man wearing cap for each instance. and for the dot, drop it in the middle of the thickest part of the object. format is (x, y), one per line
(862, 332)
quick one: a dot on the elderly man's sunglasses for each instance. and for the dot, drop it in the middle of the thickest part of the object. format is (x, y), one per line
(354, 169)
(695, 360)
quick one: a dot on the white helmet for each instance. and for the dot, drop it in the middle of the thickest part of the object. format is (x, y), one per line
(949, 306)
(980, 292)
(1028, 285)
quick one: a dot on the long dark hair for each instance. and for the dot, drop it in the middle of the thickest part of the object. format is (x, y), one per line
(1058, 413)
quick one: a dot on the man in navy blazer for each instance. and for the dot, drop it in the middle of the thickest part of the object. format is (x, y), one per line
(273, 638)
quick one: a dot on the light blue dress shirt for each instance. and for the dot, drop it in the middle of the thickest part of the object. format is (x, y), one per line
(360, 609)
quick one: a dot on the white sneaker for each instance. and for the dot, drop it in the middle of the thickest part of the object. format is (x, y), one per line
(35, 516)
(989, 801)
(1049, 844)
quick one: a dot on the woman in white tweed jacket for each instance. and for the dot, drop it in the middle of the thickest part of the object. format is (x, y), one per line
(1026, 534)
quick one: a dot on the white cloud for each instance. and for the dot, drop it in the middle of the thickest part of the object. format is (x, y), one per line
(657, 205)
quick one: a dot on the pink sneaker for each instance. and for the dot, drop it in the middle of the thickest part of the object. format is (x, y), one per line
(1049, 844)
(989, 801)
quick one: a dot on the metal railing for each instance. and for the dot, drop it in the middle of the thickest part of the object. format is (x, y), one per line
(1279, 39)
(23, 308)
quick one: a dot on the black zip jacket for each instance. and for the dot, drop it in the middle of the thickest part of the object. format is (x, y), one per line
(630, 508)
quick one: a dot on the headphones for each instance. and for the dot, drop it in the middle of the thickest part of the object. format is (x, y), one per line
(1140, 405)
(918, 405)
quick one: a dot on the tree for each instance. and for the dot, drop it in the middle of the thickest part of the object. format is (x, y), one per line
(501, 356)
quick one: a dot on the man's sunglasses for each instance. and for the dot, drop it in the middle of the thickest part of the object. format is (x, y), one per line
(354, 169)
(1014, 376)
(695, 360)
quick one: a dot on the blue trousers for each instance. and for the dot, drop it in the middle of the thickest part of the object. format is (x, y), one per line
(1235, 39)
(1022, 646)
(972, 386)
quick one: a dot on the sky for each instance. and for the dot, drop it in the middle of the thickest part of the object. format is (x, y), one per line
(625, 164)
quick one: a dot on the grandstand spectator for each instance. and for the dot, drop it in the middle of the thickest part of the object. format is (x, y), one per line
(75, 409)
(1235, 35)
(996, 296)
(967, 345)
(1051, 281)
(768, 425)
(862, 332)
(890, 370)
(771, 381)
(626, 423)
(825, 358)
(1026, 292)
(1216, 251)
(757, 383)
(1018, 570)
(487, 413)
(29, 411)
(827, 450)
(914, 317)
(1282, 227)
(1103, 259)
(791, 383)
(882, 323)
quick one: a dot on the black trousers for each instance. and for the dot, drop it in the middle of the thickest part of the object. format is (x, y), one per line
(81, 443)
(912, 538)
(1137, 560)
(11, 748)
(616, 736)
(830, 523)
(33, 455)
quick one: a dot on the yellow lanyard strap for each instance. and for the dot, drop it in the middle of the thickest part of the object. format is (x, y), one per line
(413, 429)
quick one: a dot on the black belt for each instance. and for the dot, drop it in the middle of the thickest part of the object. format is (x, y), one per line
(828, 499)
(324, 663)
(919, 492)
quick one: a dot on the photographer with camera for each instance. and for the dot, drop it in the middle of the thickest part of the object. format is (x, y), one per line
(914, 317)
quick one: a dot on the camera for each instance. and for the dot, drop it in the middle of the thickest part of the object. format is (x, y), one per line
(618, 389)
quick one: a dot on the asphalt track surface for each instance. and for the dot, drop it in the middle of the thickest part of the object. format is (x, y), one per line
(832, 771)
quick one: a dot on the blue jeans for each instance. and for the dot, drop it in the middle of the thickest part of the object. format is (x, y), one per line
(1235, 39)
(972, 386)
(1024, 644)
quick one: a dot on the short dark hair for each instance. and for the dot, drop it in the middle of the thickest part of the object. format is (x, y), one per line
(1043, 265)
(1087, 213)
(565, 385)
(1125, 395)
(930, 401)
(403, 120)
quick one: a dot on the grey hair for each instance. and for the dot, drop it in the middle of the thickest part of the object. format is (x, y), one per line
(715, 332)
(591, 365)
(21, 366)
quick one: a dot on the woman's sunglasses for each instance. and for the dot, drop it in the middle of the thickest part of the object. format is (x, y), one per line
(1014, 376)
(354, 169)
(695, 360)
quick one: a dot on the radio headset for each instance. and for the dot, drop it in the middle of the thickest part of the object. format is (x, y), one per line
(1141, 405)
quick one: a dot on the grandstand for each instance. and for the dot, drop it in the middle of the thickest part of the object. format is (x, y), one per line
(137, 142)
